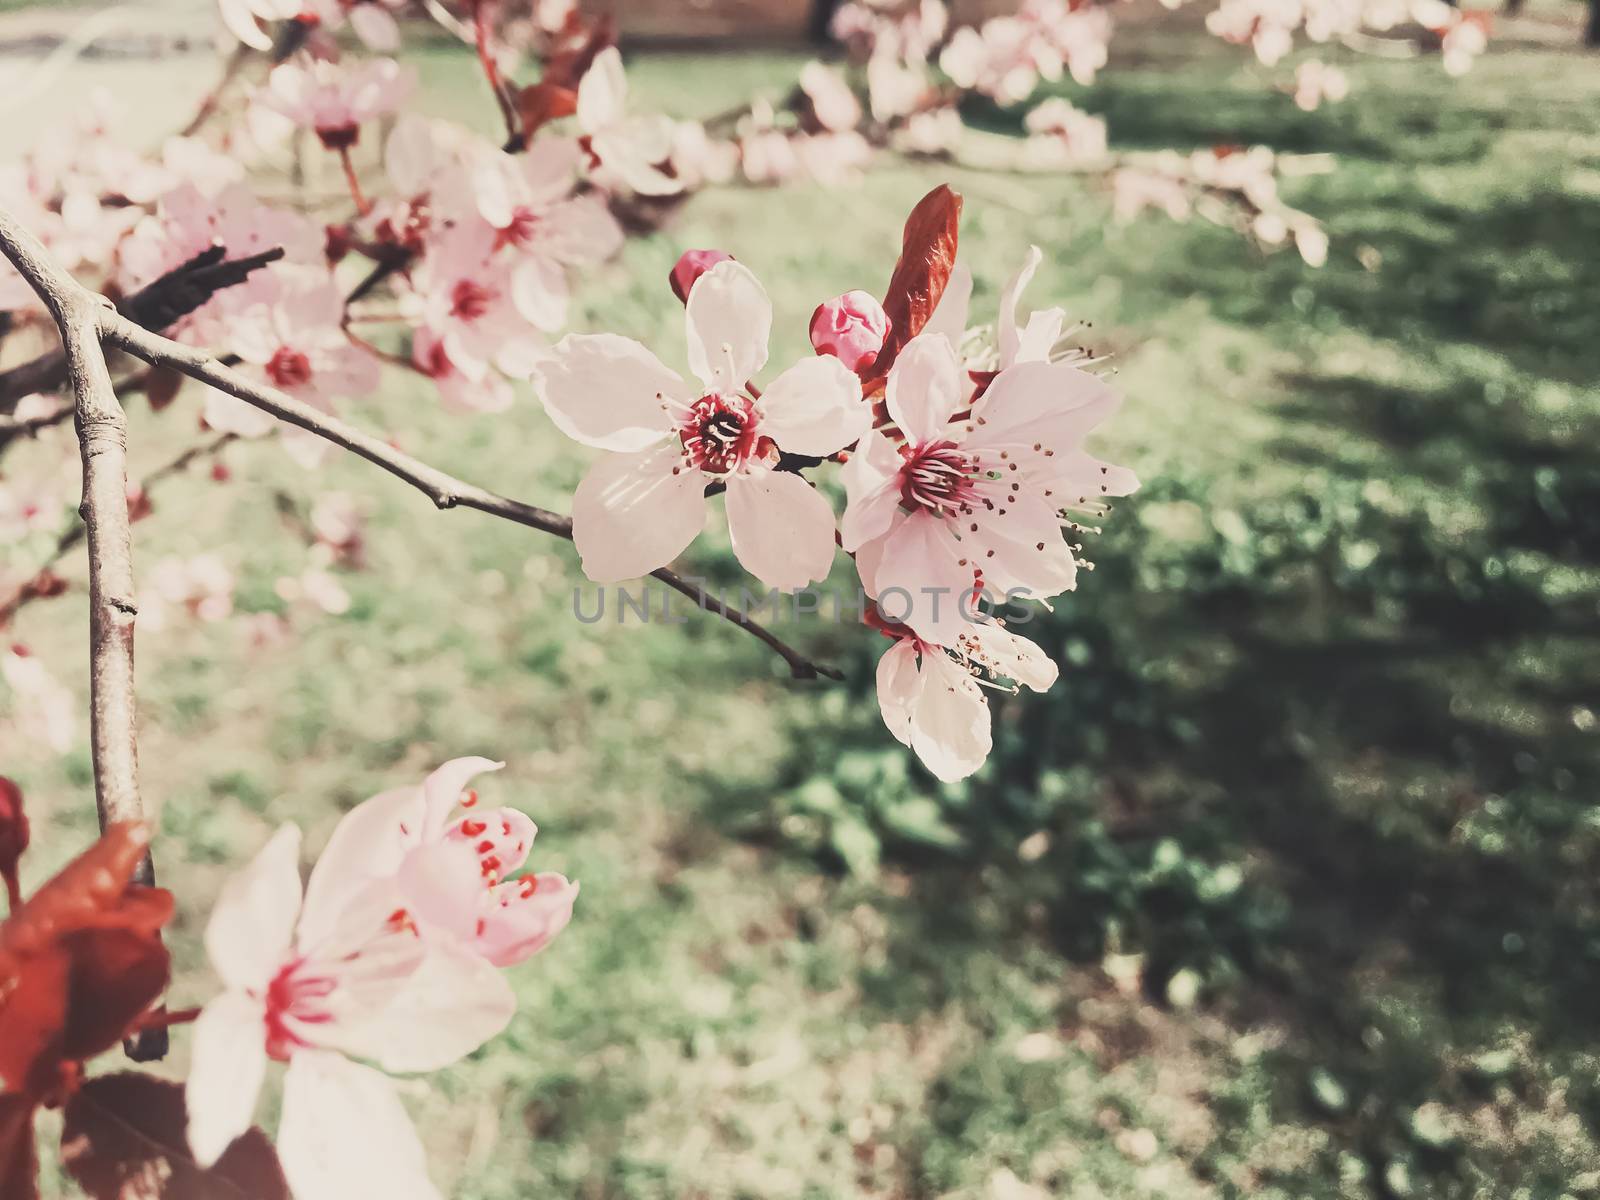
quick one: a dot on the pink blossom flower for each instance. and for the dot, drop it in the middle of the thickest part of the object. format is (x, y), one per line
(630, 149)
(463, 295)
(295, 342)
(931, 699)
(317, 984)
(431, 856)
(489, 392)
(1315, 82)
(851, 327)
(202, 586)
(1081, 135)
(969, 503)
(833, 159)
(833, 103)
(336, 100)
(528, 200)
(699, 159)
(642, 504)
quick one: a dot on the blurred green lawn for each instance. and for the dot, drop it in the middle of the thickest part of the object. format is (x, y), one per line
(1313, 909)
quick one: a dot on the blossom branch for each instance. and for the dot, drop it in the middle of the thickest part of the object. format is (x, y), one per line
(446, 491)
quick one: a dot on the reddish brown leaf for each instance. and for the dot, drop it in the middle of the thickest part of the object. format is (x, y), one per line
(927, 256)
(123, 1139)
(19, 1162)
(542, 103)
(79, 963)
(13, 838)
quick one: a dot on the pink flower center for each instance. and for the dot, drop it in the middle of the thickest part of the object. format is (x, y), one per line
(289, 368)
(295, 997)
(937, 477)
(469, 301)
(524, 227)
(719, 434)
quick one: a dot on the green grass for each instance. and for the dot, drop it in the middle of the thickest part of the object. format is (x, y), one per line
(1314, 915)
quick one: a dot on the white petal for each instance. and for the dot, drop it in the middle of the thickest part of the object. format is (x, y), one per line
(631, 514)
(607, 391)
(916, 573)
(950, 317)
(782, 529)
(815, 407)
(344, 1133)
(240, 19)
(539, 291)
(1013, 657)
(227, 1061)
(1053, 405)
(1012, 293)
(1040, 335)
(899, 684)
(872, 483)
(924, 388)
(728, 318)
(1020, 548)
(950, 725)
(376, 28)
(228, 414)
(490, 185)
(443, 788)
(602, 92)
(252, 923)
(452, 1003)
(367, 844)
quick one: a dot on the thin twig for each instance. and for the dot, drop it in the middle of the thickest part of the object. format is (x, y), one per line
(103, 443)
(446, 491)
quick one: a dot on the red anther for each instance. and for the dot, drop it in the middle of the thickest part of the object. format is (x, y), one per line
(471, 828)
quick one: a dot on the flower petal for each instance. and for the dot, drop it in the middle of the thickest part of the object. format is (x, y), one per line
(602, 92)
(782, 529)
(899, 684)
(815, 407)
(920, 575)
(445, 785)
(1003, 652)
(1006, 334)
(924, 388)
(1050, 405)
(454, 1001)
(525, 916)
(252, 923)
(950, 724)
(344, 1133)
(367, 844)
(872, 484)
(950, 317)
(728, 318)
(634, 513)
(227, 1062)
(607, 391)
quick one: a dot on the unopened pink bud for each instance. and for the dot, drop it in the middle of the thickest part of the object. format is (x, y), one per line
(851, 327)
(690, 266)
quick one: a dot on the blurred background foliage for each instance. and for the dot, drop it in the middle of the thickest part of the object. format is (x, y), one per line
(1287, 889)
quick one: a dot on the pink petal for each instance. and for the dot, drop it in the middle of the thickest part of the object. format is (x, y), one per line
(899, 684)
(950, 723)
(872, 483)
(452, 1002)
(925, 388)
(602, 92)
(539, 291)
(500, 837)
(920, 576)
(950, 317)
(607, 391)
(1020, 547)
(815, 407)
(227, 1062)
(632, 513)
(376, 28)
(1039, 403)
(344, 1133)
(782, 529)
(581, 230)
(524, 916)
(1003, 652)
(1006, 334)
(368, 844)
(445, 786)
(252, 923)
(728, 318)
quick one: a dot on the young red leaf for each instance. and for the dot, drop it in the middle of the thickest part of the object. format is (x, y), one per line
(927, 256)
(541, 103)
(13, 838)
(123, 1139)
(19, 1162)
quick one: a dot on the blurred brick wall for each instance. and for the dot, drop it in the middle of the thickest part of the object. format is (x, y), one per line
(754, 20)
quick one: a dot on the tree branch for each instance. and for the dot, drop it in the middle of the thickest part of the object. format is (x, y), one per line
(446, 491)
(103, 443)
(158, 304)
